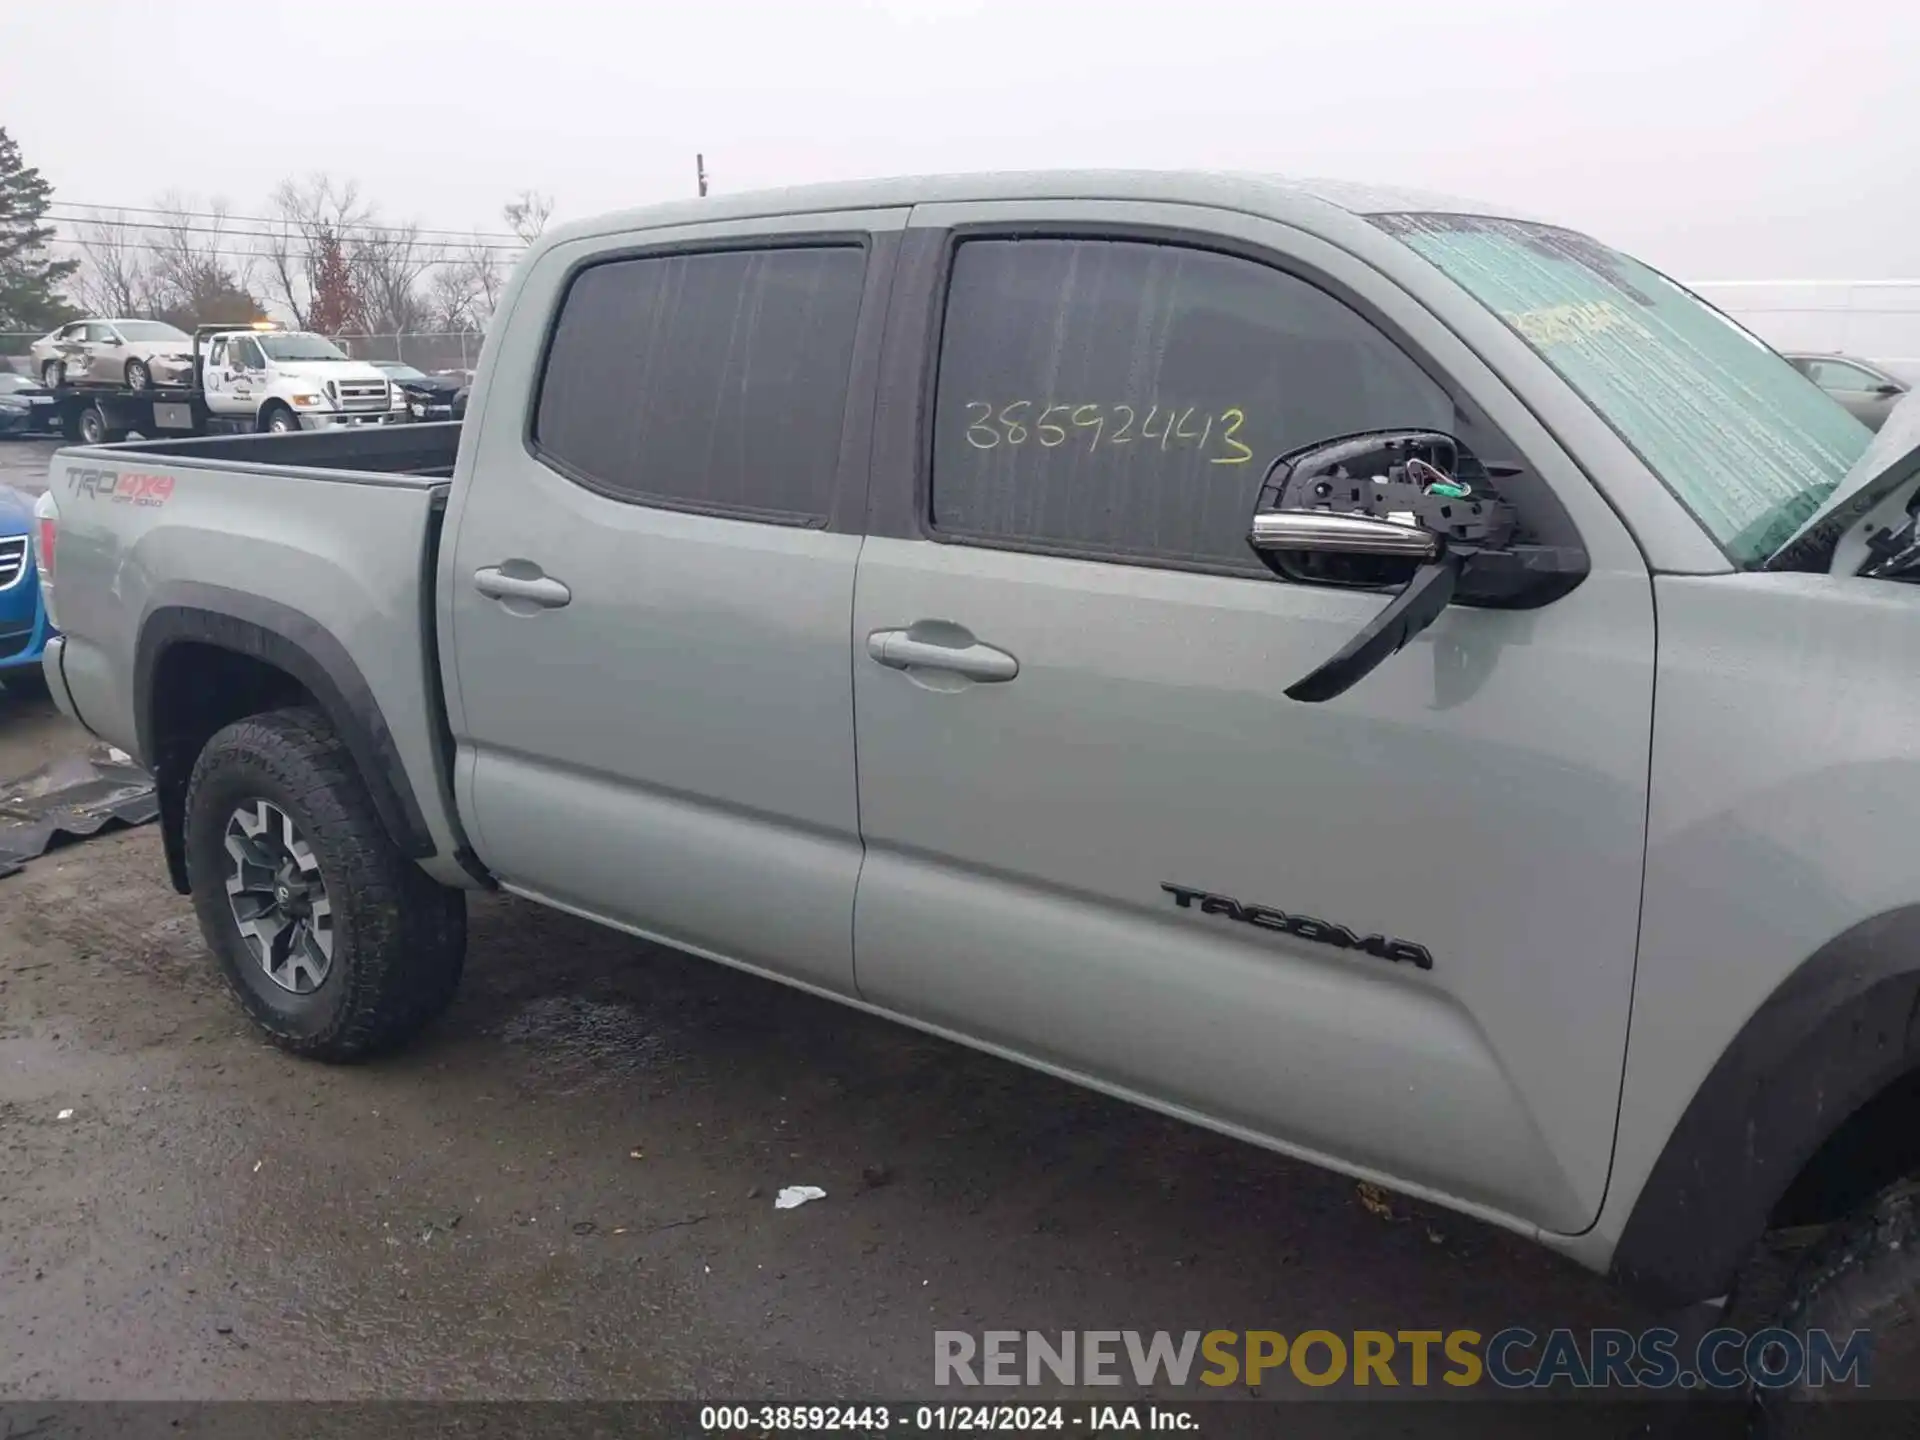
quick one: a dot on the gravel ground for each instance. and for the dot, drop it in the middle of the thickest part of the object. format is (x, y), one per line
(566, 1189)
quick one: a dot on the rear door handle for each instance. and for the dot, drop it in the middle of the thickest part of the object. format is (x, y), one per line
(956, 651)
(540, 590)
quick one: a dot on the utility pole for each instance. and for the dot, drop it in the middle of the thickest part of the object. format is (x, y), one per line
(700, 173)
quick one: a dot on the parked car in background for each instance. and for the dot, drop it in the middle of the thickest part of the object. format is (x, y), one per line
(25, 408)
(133, 353)
(23, 616)
(1868, 392)
(429, 397)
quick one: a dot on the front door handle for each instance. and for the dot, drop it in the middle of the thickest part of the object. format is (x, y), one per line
(952, 649)
(539, 590)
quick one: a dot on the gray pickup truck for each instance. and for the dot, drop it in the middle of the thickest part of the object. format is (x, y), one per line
(1397, 682)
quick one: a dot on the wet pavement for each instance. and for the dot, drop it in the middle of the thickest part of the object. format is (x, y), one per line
(565, 1190)
(23, 463)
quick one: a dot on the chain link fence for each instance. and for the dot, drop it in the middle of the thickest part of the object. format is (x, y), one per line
(430, 350)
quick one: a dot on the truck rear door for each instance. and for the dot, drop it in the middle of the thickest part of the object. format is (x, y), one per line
(650, 583)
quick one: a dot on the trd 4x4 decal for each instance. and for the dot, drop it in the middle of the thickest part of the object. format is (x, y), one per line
(133, 488)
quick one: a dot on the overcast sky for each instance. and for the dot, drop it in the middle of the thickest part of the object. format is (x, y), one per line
(1780, 145)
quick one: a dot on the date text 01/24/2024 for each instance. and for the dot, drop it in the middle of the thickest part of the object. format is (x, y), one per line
(761, 1419)
(1054, 425)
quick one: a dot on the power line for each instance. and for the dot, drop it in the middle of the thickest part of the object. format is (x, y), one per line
(148, 247)
(276, 219)
(417, 238)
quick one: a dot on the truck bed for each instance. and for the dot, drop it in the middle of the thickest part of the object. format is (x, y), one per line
(348, 452)
(165, 544)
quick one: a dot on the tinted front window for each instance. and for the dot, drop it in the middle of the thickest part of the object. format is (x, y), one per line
(1127, 398)
(714, 381)
(1736, 433)
(299, 346)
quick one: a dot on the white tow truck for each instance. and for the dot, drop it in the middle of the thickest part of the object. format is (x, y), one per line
(260, 377)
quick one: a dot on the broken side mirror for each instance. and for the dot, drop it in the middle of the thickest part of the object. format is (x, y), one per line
(1411, 510)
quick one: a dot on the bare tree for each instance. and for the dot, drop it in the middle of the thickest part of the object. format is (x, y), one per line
(112, 279)
(305, 215)
(466, 287)
(389, 266)
(527, 214)
(197, 269)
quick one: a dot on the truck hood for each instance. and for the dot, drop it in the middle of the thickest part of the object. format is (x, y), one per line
(1892, 459)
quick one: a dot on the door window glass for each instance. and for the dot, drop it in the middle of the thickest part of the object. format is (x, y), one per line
(712, 381)
(1124, 398)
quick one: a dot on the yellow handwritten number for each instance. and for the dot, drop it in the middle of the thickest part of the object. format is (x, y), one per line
(1146, 426)
(1096, 424)
(1041, 427)
(979, 427)
(1016, 432)
(1238, 418)
(1120, 436)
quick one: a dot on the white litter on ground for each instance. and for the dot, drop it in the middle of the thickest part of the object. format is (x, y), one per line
(791, 1196)
(68, 1115)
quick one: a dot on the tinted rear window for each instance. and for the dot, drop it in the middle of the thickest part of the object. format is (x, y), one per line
(713, 381)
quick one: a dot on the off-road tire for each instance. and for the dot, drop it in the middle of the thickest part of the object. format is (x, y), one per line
(1865, 1276)
(399, 938)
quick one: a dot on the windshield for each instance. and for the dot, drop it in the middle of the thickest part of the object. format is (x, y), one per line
(11, 383)
(300, 346)
(1741, 438)
(150, 330)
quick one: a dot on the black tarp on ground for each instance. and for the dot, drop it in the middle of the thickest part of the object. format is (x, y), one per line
(69, 799)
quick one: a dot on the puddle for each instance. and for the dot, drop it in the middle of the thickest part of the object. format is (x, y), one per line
(572, 1033)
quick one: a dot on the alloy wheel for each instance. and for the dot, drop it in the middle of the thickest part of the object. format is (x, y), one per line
(278, 897)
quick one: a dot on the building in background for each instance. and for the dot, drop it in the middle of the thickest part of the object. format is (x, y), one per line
(1878, 320)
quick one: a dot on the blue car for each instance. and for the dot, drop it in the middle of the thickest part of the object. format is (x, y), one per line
(23, 619)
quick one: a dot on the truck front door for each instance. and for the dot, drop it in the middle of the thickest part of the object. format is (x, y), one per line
(650, 580)
(1394, 930)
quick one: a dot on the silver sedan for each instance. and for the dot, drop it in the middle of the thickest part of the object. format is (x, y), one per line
(138, 354)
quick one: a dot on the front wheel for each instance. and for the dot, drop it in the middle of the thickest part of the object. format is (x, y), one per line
(139, 377)
(278, 420)
(53, 374)
(1865, 1281)
(335, 943)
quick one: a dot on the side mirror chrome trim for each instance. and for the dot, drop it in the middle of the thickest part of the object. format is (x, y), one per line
(1325, 532)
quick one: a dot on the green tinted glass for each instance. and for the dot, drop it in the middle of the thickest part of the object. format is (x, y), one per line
(1741, 438)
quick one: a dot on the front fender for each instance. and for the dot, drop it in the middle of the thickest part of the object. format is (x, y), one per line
(1842, 1027)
